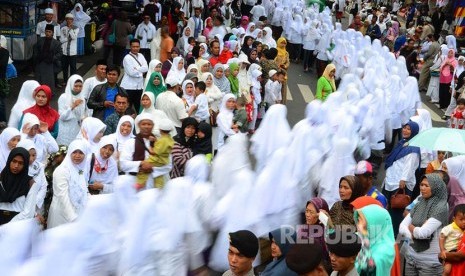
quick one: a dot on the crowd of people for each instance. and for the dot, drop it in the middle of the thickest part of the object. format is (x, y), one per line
(148, 171)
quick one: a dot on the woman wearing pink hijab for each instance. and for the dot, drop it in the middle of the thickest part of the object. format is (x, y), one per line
(446, 75)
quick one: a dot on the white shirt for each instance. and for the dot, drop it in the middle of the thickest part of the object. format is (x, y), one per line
(107, 177)
(256, 12)
(45, 144)
(40, 30)
(173, 106)
(145, 33)
(134, 70)
(68, 39)
(402, 169)
(272, 92)
(25, 205)
(201, 101)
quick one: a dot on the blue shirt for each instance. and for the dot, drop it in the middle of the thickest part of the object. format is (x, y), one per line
(374, 193)
(111, 93)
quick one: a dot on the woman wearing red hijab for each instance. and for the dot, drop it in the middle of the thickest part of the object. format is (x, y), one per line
(43, 111)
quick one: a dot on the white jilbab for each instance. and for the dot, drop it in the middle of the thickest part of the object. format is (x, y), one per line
(70, 115)
(225, 121)
(119, 137)
(5, 137)
(105, 171)
(24, 101)
(266, 139)
(212, 91)
(44, 142)
(128, 165)
(175, 72)
(37, 172)
(155, 45)
(189, 100)
(92, 130)
(157, 115)
(69, 187)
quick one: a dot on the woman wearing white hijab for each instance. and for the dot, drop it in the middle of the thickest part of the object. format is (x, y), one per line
(124, 132)
(203, 66)
(36, 171)
(295, 37)
(267, 38)
(212, 91)
(24, 101)
(255, 89)
(188, 95)
(183, 42)
(204, 51)
(45, 143)
(177, 70)
(92, 130)
(105, 169)
(455, 166)
(154, 66)
(72, 109)
(457, 72)
(9, 138)
(147, 103)
(70, 186)
(80, 20)
(225, 119)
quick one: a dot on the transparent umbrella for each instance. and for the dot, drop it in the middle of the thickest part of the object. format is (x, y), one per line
(440, 138)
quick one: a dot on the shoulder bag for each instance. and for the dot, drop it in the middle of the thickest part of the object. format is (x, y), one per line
(112, 35)
(400, 199)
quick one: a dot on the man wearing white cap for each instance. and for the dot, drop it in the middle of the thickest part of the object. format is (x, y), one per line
(68, 39)
(171, 104)
(273, 89)
(40, 31)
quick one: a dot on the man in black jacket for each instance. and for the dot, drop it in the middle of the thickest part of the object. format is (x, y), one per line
(47, 55)
(102, 96)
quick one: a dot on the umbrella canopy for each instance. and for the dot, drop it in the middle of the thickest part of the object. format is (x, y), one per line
(440, 138)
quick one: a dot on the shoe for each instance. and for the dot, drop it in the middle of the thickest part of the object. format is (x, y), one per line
(445, 117)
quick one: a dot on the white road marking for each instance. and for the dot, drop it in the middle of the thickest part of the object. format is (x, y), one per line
(289, 95)
(434, 116)
(306, 92)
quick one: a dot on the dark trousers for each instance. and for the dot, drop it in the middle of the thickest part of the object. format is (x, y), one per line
(68, 65)
(320, 66)
(277, 31)
(106, 52)
(309, 59)
(118, 54)
(146, 54)
(397, 215)
(134, 98)
(294, 51)
(444, 95)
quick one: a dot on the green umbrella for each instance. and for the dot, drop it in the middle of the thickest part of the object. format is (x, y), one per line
(440, 138)
(321, 3)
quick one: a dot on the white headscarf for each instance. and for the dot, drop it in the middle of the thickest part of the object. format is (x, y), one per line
(24, 101)
(29, 120)
(456, 168)
(205, 54)
(190, 99)
(7, 134)
(28, 145)
(248, 32)
(91, 127)
(80, 110)
(143, 116)
(80, 19)
(157, 115)
(78, 174)
(268, 38)
(153, 63)
(185, 38)
(266, 139)
(120, 139)
(175, 72)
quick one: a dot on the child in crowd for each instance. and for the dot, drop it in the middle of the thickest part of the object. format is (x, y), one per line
(203, 143)
(159, 155)
(451, 235)
(199, 110)
(226, 54)
(240, 116)
(457, 118)
(273, 89)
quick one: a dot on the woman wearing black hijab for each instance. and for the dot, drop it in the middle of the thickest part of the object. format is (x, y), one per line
(203, 143)
(184, 143)
(14, 184)
(247, 45)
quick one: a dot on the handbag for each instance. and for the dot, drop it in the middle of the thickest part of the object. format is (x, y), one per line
(213, 115)
(434, 73)
(400, 199)
(112, 36)
(11, 71)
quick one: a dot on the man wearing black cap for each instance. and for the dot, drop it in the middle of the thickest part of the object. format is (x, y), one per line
(47, 55)
(343, 250)
(243, 248)
(306, 260)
